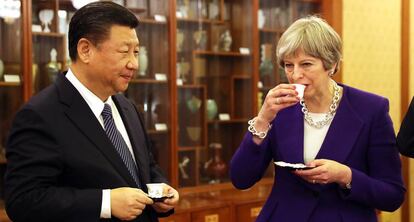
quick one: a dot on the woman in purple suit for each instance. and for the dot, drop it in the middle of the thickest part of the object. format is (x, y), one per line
(343, 134)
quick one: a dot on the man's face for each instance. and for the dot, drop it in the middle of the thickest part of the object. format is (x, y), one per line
(114, 61)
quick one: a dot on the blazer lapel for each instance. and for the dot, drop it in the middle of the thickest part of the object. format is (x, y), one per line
(290, 135)
(81, 115)
(136, 135)
(346, 125)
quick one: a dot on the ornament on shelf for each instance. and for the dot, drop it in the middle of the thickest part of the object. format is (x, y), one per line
(46, 16)
(215, 167)
(200, 39)
(180, 40)
(266, 66)
(63, 25)
(211, 109)
(225, 41)
(182, 165)
(194, 133)
(194, 104)
(53, 66)
(143, 61)
(183, 70)
(213, 10)
(261, 19)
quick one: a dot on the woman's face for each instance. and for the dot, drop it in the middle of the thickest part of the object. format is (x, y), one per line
(309, 71)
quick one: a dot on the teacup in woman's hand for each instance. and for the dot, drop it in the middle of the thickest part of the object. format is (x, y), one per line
(300, 89)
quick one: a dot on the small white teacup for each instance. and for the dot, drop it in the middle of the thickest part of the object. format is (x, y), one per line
(300, 89)
(155, 190)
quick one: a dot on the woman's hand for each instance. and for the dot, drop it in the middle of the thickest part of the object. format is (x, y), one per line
(326, 171)
(278, 98)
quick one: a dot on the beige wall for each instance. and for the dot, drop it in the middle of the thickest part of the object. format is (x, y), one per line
(372, 55)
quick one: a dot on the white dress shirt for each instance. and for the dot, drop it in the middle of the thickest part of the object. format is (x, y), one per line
(314, 137)
(96, 105)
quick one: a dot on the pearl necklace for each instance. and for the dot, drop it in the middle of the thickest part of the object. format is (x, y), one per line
(328, 116)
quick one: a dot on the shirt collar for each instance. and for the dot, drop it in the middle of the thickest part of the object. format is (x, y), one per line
(93, 101)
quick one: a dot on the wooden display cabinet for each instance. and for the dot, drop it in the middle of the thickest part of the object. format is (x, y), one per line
(273, 19)
(12, 72)
(214, 71)
(200, 80)
(151, 85)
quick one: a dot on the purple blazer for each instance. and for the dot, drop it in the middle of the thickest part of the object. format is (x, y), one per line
(361, 136)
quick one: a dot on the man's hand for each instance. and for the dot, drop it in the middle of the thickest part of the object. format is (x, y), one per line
(127, 203)
(169, 203)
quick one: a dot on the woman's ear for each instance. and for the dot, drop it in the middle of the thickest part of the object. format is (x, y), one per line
(84, 50)
(333, 70)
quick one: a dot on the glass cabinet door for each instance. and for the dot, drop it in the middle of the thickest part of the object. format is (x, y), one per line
(11, 72)
(49, 48)
(273, 19)
(214, 86)
(150, 88)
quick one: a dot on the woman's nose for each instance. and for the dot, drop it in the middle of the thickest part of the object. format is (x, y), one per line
(297, 74)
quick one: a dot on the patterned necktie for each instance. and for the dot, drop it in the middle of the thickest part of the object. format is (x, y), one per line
(119, 143)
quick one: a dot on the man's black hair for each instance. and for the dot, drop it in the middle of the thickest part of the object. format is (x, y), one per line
(94, 21)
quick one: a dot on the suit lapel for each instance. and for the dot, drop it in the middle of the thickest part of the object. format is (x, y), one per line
(80, 114)
(290, 134)
(346, 125)
(136, 136)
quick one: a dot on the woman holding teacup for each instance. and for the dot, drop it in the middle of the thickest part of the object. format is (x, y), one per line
(344, 135)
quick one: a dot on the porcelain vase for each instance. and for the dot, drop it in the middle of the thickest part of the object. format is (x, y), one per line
(211, 109)
(143, 61)
(216, 168)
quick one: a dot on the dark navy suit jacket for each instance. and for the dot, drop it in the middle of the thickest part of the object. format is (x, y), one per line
(60, 158)
(361, 136)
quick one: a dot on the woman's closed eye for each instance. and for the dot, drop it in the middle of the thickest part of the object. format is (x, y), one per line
(306, 64)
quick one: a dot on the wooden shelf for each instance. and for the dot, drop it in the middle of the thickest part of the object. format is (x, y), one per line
(148, 81)
(152, 21)
(219, 53)
(231, 121)
(9, 84)
(198, 21)
(49, 34)
(191, 86)
(157, 132)
(189, 148)
(271, 30)
(241, 77)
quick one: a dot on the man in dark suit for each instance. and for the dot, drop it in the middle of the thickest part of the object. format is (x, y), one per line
(78, 150)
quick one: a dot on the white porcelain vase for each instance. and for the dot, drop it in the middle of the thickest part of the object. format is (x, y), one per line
(143, 61)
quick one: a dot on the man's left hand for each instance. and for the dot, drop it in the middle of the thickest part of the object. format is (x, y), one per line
(169, 203)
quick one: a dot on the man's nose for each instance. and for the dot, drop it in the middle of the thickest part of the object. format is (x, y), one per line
(133, 63)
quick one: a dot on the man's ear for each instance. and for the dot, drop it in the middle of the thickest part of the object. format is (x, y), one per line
(84, 50)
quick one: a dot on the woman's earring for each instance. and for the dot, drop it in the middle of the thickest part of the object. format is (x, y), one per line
(331, 73)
